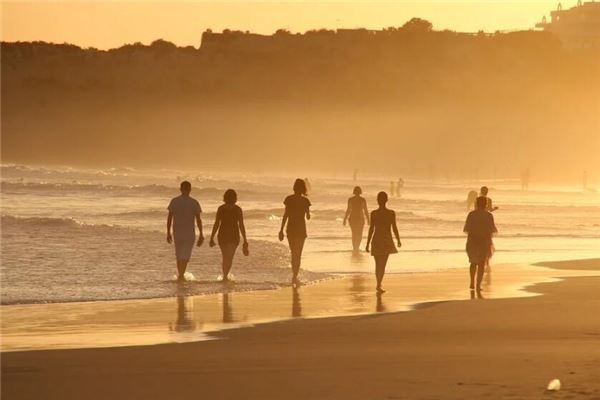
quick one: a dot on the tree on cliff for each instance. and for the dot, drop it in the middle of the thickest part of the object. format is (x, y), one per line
(418, 25)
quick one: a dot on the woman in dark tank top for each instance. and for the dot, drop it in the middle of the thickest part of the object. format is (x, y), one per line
(229, 223)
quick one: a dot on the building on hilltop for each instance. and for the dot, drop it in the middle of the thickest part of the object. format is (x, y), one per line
(576, 27)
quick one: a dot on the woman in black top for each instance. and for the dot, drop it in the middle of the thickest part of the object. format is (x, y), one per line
(383, 221)
(296, 210)
(356, 212)
(480, 227)
(229, 223)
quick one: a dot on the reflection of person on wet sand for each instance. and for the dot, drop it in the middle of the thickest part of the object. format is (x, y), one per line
(297, 208)
(182, 212)
(383, 221)
(183, 323)
(296, 304)
(227, 309)
(479, 227)
(380, 307)
(229, 223)
(356, 213)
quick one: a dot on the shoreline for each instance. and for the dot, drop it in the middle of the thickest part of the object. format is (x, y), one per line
(505, 348)
(180, 319)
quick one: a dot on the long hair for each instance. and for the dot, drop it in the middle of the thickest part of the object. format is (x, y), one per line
(230, 196)
(300, 187)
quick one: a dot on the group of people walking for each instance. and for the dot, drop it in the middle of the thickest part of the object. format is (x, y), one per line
(229, 226)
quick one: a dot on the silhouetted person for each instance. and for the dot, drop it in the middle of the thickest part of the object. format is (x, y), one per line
(356, 212)
(399, 187)
(229, 223)
(308, 186)
(182, 212)
(484, 193)
(393, 188)
(355, 175)
(383, 221)
(297, 208)
(471, 197)
(479, 227)
(525, 177)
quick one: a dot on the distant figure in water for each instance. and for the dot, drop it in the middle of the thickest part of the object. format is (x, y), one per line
(399, 187)
(393, 188)
(525, 178)
(383, 221)
(479, 227)
(484, 193)
(355, 175)
(229, 223)
(471, 197)
(308, 186)
(356, 213)
(183, 210)
(297, 211)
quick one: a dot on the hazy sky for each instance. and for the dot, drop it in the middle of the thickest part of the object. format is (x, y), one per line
(110, 24)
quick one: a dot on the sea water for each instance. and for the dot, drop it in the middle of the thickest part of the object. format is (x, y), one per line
(75, 234)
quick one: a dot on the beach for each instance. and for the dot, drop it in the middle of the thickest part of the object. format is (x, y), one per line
(479, 348)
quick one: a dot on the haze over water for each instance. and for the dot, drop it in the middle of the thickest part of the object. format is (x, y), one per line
(72, 234)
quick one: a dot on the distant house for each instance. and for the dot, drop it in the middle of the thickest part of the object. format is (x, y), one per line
(576, 27)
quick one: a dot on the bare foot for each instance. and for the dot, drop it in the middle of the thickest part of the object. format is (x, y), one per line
(380, 289)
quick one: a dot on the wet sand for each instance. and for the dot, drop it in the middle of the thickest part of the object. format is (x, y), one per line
(484, 348)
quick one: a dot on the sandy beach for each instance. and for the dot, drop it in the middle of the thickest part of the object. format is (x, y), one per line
(485, 348)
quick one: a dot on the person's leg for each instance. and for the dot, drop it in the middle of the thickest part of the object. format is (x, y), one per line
(472, 270)
(181, 267)
(357, 233)
(380, 263)
(227, 251)
(296, 246)
(480, 270)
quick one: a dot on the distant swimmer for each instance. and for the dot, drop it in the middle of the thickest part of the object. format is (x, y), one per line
(356, 213)
(399, 187)
(484, 193)
(471, 197)
(183, 210)
(308, 186)
(229, 223)
(525, 177)
(480, 228)
(297, 211)
(380, 242)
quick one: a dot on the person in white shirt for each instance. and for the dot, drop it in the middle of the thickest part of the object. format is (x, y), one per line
(183, 211)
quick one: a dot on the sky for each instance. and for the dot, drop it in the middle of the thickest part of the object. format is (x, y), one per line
(109, 24)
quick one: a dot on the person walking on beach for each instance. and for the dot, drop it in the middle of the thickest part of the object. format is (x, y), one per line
(484, 193)
(183, 210)
(480, 228)
(383, 221)
(356, 212)
(229, 223)
(297, 211)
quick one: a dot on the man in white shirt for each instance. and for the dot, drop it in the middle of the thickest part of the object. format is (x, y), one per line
(183, 210)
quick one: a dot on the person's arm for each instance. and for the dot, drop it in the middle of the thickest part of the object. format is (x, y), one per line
(493, 225)
(366, 211)
(308, 209)
(242, 227)
(348, 210)
(215, 229)
(283, 222)
(395, 229)
(370, 235)
(199, 223)
(169, 223)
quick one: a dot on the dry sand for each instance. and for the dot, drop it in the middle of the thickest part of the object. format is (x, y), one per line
(496, 349)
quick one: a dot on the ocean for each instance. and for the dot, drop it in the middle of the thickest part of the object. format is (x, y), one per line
(81, 234)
